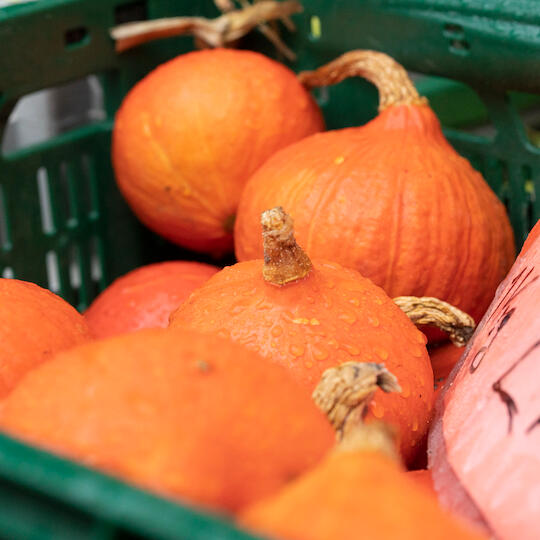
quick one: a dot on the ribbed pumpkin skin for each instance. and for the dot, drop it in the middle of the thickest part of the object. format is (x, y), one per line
(393, 200)
(190, 416)
(34, 325)
(145, 297)
(334, 315)
(188, 136)
(355, 495)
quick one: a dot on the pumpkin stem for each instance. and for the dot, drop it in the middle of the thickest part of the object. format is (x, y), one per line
(343, 394)
(391, 79)
(426, 310)
(284, 259)
(218, 32)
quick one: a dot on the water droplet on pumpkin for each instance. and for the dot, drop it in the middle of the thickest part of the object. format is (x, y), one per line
(381, 353)
(300, 320)
(349, 318)
(297, 350)
(377, 409)
(339, 160)
(276, 331)
(415, 425)
(273, 344)
(374, 321)
(314, 322)
(354, 301)
(320, 354)
(351, 349)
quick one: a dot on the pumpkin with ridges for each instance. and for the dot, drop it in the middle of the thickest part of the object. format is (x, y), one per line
(391, 199)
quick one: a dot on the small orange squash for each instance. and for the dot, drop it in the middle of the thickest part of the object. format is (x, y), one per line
(188, 136)
(360, 490)
(190, 416)
(145, 297)
(311, 316)
(34, 325)
(391, 199)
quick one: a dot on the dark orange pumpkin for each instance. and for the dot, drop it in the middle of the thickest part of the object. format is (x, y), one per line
(145, 297)
(312, 317)
(34, 325)
(391, 199)
(188, 136)
(190, 416)
(359, 491)
(443, 359)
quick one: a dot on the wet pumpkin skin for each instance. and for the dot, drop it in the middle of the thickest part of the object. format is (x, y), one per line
(189, 135)
(34, 325)
(391, 199)
(194, 417)
(331, 316)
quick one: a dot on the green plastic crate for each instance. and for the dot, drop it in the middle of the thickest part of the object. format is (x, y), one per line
(476, 60)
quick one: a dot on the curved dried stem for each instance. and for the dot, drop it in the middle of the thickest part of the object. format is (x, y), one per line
(284, 259)
(218, 32)
(426, 310)
(348, 389)
(391, 79)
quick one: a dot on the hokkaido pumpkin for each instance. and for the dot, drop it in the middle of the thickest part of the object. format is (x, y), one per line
(311, 316)
(34, 324)
(360, 490)
(193, 417)
(391, 199)
(188, 136)
(145, 297)
(443, 359)
(483, 448)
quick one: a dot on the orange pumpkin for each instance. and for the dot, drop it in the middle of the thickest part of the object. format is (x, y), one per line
(145, 297)
(391, 199)
(193, 417)
(443, 359)
(309, 317)
(359, 491)
(34, 325)
(189, 135)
